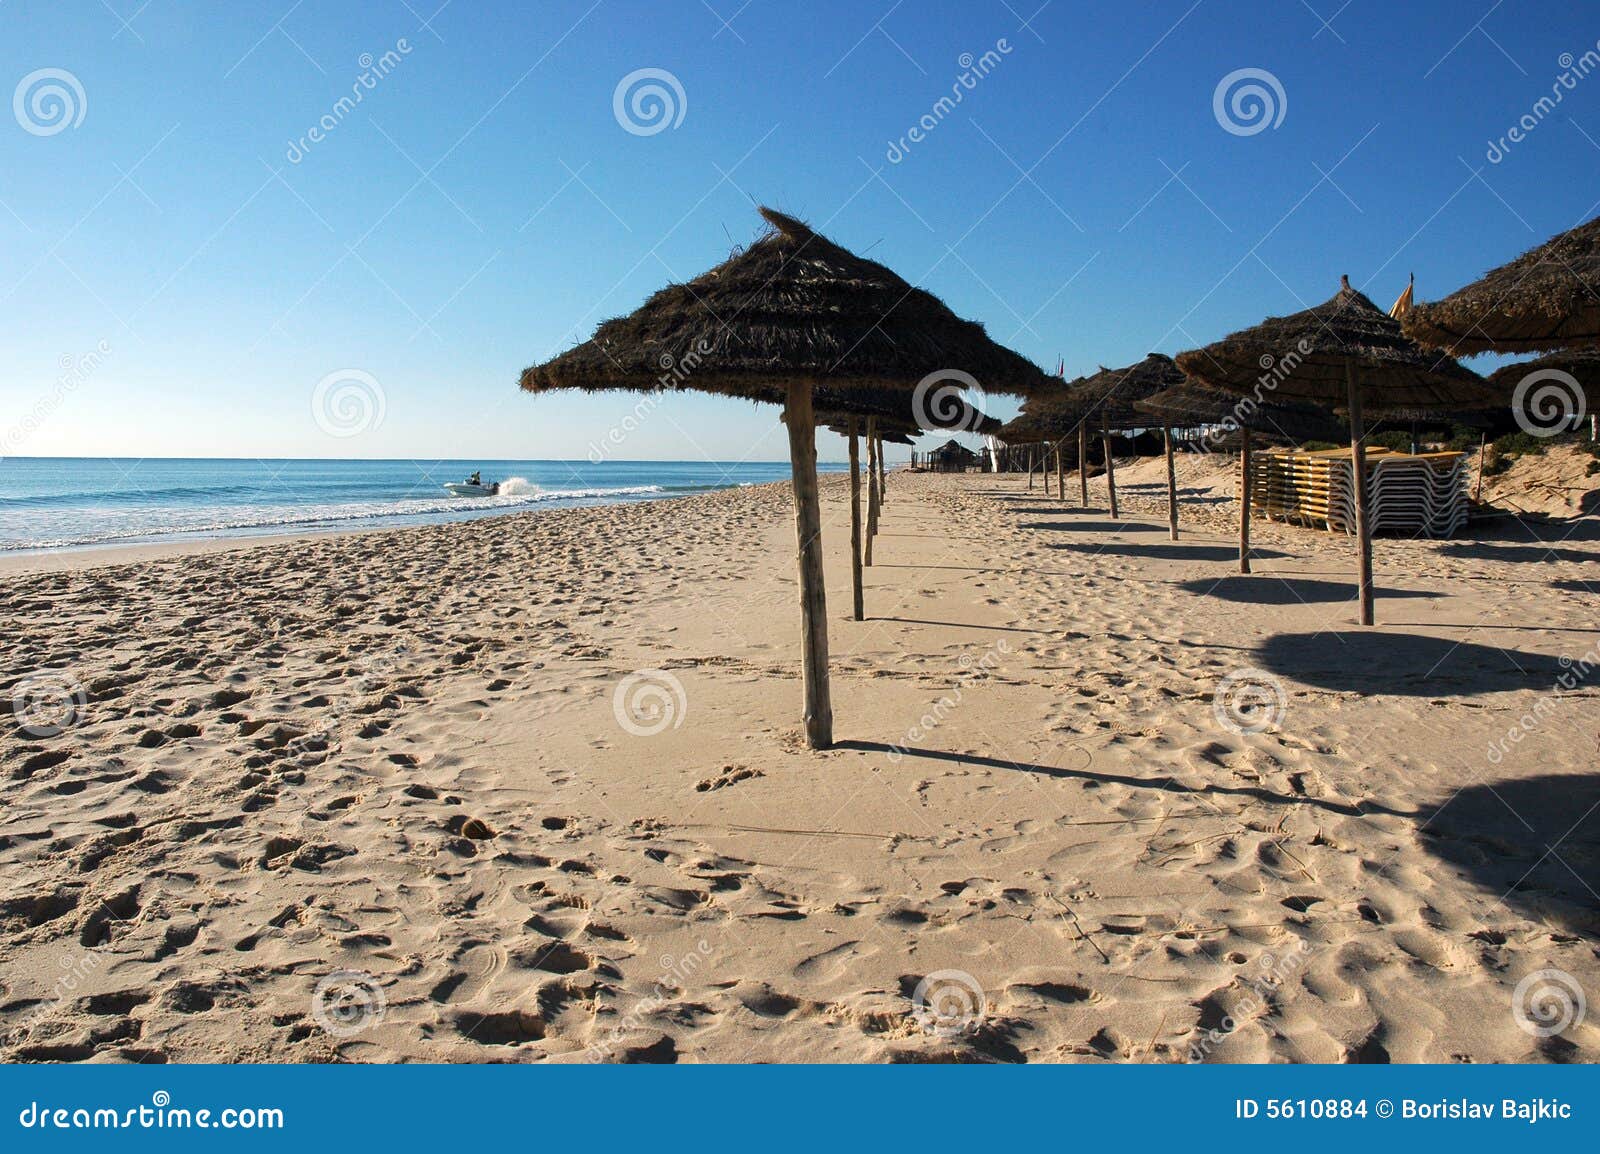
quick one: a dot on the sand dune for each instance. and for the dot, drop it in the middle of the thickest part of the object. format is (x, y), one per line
(532, 788)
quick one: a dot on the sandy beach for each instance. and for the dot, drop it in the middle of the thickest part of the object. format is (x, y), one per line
(532, 788)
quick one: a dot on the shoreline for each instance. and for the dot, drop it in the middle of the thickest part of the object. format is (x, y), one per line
(73, 558)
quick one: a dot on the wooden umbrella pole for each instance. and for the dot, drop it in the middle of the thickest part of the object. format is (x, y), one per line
(855, 522)
(1483, 449)
(1083, 462)
(1030, 467)
(818, 713)
(1172, 487)
(1358, 477)
(883, 474)
(872, 487)
(1244, 500)
(1111, 472)
(1061, 475)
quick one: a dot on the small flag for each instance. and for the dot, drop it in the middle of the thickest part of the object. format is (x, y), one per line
(1403, 302)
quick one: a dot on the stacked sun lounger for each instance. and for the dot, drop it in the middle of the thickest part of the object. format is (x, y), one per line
(1413, 494)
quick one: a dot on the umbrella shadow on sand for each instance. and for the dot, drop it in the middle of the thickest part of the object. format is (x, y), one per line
(1268, 589)
(1532, 842)
(1178, 552)
(1404, 664)
(1091, 526)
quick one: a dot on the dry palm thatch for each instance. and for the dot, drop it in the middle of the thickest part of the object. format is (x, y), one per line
(1303, 357)
(1192, 403)
(793, 305)
(1346, 349)
(791, 312)
(1107, 397)
(1582, 365)
(1548, 298)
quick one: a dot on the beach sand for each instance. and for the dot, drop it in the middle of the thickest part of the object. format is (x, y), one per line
(401, 795)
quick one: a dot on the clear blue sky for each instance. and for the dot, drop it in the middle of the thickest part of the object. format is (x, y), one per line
(482, 207)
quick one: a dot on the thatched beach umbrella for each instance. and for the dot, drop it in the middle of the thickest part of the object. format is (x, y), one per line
(1552, 390)
(1107, 399)
(1548, 298)
(1349, 351)
(793, 311)
(1045, 421)
(1192, 403)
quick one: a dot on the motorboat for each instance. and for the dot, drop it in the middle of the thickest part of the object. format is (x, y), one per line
(471, 488)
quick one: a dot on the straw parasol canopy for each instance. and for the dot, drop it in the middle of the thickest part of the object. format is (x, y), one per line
(1548, 298)
(1344, 350)
(1192, 403)
(1108, 397)
(793, 304)
(1302, 357)
(791, 312)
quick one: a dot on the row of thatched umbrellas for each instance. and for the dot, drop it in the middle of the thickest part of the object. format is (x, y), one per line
(797, 319)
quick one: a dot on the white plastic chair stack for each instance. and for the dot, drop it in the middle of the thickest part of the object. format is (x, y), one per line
(1425, 494)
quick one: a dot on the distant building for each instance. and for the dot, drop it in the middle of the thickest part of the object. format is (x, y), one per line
(953, 457)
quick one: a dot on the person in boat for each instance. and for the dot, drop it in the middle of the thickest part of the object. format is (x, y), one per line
(476, 478)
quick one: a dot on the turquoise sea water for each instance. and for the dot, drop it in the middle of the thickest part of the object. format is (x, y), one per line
(63, 502)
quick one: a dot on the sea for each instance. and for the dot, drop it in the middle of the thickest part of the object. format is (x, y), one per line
(80, 502)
